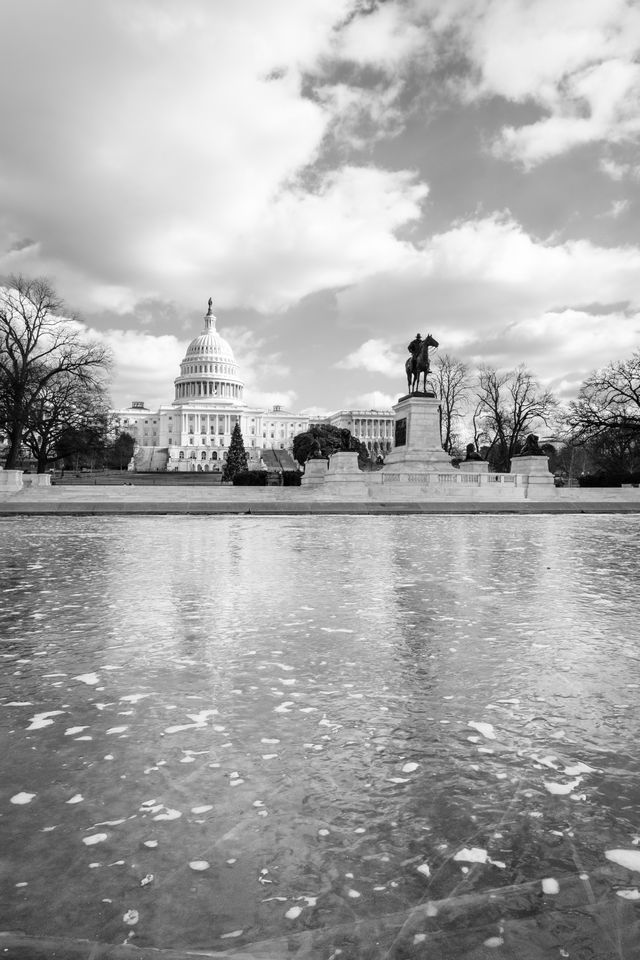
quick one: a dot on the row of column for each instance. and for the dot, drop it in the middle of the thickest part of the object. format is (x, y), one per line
(209, 424)
(208, 388)
(372, 428)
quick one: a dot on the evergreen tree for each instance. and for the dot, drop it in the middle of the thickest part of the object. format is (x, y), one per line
(236, 461)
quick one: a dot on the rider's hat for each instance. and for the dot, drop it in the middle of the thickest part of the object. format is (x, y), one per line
(418, 336)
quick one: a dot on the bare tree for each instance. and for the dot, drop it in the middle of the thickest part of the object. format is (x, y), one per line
(609, 399)
(36, 346)
(64, 407)
(509, 406)
(454, 384)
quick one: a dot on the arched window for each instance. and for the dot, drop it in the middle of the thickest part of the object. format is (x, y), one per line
(181, 455)
(203, 455)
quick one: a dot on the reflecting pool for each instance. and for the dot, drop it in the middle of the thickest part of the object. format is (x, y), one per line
(282, 735)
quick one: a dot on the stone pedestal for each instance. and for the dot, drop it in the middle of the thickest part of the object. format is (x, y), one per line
(535, 468)
(474, 466)
(36, 479)
(417, 437)
(10, 481)
(344, 471)
(315, 472)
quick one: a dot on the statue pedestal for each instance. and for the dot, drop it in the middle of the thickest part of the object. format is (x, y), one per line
(417, 437)
(474, 466)
(343, 468)
(315, 472)
(36, 479)
(11, 480)
(535, 468)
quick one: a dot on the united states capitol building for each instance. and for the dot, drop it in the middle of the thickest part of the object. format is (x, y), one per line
(193, 432)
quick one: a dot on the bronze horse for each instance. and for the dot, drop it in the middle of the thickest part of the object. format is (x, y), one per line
(420, 365)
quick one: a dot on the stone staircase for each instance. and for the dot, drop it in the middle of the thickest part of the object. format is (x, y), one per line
(151, 459)
(278, 460)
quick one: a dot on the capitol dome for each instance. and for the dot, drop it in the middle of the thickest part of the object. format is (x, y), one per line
(209, 372)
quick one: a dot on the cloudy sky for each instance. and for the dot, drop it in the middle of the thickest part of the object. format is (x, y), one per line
(337, 175)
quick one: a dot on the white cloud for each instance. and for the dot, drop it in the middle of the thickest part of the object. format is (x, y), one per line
(620, 171)
(266, 399)
(488, 291)
(373, 400)
(618, 207)
(170, 153)
(376, 356)
(145, 365)
(575, 59)
(385, 38)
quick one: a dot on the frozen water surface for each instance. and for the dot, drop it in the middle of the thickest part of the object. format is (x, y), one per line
(454, 702)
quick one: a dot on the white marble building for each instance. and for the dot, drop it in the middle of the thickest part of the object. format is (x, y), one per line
(374, 428)
(194, 431)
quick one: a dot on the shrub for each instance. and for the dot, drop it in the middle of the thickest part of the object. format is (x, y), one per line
(291, 478)
(250, 478)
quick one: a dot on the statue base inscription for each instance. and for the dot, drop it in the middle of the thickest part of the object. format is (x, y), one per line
(417, 437)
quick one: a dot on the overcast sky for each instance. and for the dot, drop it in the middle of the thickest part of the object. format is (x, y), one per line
(337, 174)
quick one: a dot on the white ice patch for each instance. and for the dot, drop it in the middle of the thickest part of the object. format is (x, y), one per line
(486, 729)
(477, 855)
(632, 894)
(135, 697)
(424, 869)
(94, 838)
(22, 798)
(284, 707)
(625, 858)
(203, 809)
(234, 933)
(269, 740)
(151, 844)
(116, 730)
(561, 789)
(179, 727)
(578, 768)
(168, 814)
(73, 730)
(409, 767)
(550, 885)
(89, 678)
(199, 865)
(293, 912)
(131, 917)
(40, 720)
(336, 630)
(76, 798)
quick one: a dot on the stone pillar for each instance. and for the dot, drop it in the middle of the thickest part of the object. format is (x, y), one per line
(10, 481)
(534, 468)
(315, 472)
(417, 446)
(474, 466)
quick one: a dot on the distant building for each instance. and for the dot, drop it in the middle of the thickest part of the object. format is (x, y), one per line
(194, 431)
(374, 428)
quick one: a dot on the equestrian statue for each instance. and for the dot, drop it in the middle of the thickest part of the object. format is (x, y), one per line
(418, 362)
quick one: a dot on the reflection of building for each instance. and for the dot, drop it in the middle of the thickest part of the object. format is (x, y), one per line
(194, 432)
(374, 428)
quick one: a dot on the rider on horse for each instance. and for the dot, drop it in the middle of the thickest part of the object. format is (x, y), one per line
(414, 349)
